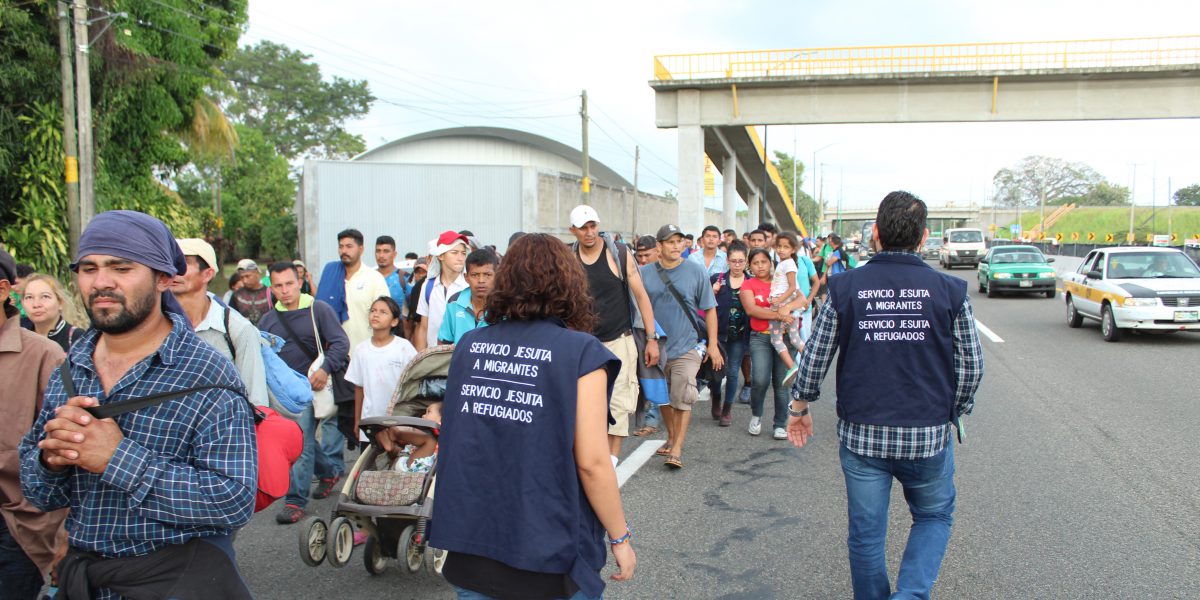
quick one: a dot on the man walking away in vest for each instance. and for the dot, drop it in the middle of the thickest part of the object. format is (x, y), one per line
(163, 490)
(614, 294)
(902, 382)
(678, 289)
(29, 540)
(223, 328)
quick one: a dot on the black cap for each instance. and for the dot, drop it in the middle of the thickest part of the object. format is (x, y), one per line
(666, 231)
(646, 242)
(8, 267)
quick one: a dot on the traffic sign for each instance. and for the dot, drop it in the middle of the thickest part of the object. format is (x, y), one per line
(1129, 237)
(1149, 237)
(1075, 236)
(1015, 228)
(1174, 237)
(1108, 237)
(1058, 237)
(1091, 236)
(1041, 235)
(992, 228)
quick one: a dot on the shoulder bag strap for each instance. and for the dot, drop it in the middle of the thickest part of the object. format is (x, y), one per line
(228, 337)
(124, 406)
(662, 274)
(316, 333)
(295, 338)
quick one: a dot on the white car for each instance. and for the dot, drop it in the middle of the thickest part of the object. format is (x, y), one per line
(1134, 288)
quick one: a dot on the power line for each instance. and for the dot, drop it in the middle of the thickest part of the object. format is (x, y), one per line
(617, 124)
(629, 154)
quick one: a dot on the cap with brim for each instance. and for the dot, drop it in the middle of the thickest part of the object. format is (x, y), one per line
(247, 264)
(583, 214)
(646, 242)
(666, 231)
(200, 248)
(299, 263)
(446, 241)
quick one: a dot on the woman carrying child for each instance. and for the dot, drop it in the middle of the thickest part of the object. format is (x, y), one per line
(766, 362)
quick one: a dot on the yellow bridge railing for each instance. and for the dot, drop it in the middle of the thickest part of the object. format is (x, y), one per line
(944, 58)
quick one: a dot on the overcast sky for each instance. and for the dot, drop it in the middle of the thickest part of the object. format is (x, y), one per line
(522, 64)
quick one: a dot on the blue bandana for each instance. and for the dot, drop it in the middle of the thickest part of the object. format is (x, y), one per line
(138, 237)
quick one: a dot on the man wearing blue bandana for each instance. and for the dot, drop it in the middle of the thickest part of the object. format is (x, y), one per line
(155, 493)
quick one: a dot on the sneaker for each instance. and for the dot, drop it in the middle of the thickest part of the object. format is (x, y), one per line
(755, 426)
(726, 420)
(325, 487)
(790, 378)
(744, 398)
(780, 433)
(290, 513)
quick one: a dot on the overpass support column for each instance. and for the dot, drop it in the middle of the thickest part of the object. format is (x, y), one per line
(754, 203)
(729, 195)
(691, 162)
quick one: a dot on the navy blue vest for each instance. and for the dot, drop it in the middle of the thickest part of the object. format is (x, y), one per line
(507, 486)
(895, 342)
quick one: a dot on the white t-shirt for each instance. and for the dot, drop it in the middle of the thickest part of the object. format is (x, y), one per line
(362, 290)
(435, 310)
(377, 371)
(779, 283)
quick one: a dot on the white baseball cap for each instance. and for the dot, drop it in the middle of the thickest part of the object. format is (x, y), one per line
(583, 214)
(201, 248)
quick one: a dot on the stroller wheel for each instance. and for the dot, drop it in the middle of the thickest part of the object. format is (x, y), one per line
(313, 537)
(412, 554)
(439, 559)
(341, 541)
(373, 558)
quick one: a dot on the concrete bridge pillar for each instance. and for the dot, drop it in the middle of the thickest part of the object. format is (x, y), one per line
(691, 163)
(729, 195)
(754, 203)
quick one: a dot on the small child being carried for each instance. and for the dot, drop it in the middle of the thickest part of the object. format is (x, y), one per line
(786, 299)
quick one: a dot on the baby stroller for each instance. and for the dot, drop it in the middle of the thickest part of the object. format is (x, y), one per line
(392, 507)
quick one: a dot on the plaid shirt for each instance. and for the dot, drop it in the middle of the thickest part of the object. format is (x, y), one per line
(187, 468)
(885, 441)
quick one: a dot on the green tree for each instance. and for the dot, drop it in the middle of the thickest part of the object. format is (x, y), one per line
(806, 206)
(257, 196)
(35, 230)
(1035, 179)
(280, 92)
(1187, 196)
(1101, 194)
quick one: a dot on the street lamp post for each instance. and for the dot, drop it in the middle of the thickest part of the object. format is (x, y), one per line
(820, 203)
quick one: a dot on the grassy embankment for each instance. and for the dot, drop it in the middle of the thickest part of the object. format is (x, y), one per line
(1184, 222)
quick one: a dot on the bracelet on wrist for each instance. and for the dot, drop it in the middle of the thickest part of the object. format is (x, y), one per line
(621, 540)
(797, 413)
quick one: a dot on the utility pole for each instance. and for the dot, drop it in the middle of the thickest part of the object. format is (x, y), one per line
(587, 179)
(1170, 207)
(83, 100)
(1132, 202)
(762, 206)
(1042, 203)
(70, 162)
(637, 157)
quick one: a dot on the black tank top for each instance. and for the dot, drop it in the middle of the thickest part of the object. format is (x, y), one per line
(609, 299)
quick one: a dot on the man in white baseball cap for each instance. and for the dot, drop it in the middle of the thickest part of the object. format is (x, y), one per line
(621, 306)
(223, 328)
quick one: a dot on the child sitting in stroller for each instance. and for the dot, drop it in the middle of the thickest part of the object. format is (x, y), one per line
(411, 451)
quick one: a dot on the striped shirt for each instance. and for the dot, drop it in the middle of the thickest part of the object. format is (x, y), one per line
(187, 468)
(886, 441)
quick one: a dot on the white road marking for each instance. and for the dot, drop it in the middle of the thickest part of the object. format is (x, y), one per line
(635, 460)
(991, 335)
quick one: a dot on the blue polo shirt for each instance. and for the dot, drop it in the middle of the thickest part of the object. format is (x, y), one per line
(459, 319)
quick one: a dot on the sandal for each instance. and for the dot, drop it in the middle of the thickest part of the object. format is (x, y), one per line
(663, 451)
(645, 431)
(674, 463)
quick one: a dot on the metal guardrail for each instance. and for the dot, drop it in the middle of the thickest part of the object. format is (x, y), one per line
(943, 58)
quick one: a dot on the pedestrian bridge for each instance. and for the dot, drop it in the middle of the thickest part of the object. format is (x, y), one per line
(715, 99)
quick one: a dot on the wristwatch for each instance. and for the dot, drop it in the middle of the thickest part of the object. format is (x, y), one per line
(797, 413)
(652, 336)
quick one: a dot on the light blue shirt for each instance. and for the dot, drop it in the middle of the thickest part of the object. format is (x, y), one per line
(719, 263)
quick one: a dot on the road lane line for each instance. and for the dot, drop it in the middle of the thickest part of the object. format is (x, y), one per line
(991, 335)
(636, 459)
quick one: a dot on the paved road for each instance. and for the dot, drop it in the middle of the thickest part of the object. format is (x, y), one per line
(1079, 479)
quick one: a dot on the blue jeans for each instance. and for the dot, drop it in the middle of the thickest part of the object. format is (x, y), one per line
(929, 489)
(768, 369)
(315, 458)
(734, 351)
(20, 578)
(465, 594)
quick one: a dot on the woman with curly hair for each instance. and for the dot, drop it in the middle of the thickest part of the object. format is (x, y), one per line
(527, 497)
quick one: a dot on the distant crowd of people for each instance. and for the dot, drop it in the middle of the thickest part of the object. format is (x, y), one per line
(638, 333)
